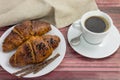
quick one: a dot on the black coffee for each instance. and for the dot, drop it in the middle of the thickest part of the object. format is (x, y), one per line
(96, 24)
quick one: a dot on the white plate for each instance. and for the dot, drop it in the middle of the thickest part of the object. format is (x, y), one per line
(61, 49)
(110, 44)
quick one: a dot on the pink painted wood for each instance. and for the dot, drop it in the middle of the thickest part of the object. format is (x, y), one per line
(77, 67)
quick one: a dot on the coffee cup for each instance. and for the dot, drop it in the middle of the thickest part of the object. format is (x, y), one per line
(94, 27)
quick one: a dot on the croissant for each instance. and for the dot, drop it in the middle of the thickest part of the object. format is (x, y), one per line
(34, 50)
(24, 31)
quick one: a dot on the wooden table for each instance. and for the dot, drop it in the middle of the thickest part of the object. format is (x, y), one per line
(77, 67)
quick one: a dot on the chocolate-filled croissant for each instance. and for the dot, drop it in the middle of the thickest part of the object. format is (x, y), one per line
(24, 31)
(34, 50)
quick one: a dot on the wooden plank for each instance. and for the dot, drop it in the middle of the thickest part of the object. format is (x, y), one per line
(108, 3)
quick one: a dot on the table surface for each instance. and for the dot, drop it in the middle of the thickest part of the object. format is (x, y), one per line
(77, 67)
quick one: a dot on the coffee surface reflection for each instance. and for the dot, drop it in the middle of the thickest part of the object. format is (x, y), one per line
(96, 24)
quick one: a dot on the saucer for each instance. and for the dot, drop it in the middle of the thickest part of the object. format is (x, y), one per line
(110, 44)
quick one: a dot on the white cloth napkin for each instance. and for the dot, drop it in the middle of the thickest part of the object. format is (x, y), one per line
(57, 12)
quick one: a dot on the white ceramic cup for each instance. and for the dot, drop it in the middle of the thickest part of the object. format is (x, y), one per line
(94, 37)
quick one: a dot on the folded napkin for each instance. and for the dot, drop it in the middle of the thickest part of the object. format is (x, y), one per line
(57, 12)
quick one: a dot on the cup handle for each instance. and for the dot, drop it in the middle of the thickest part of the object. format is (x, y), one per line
(99, 10)
(76, 40)
(76, 25)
